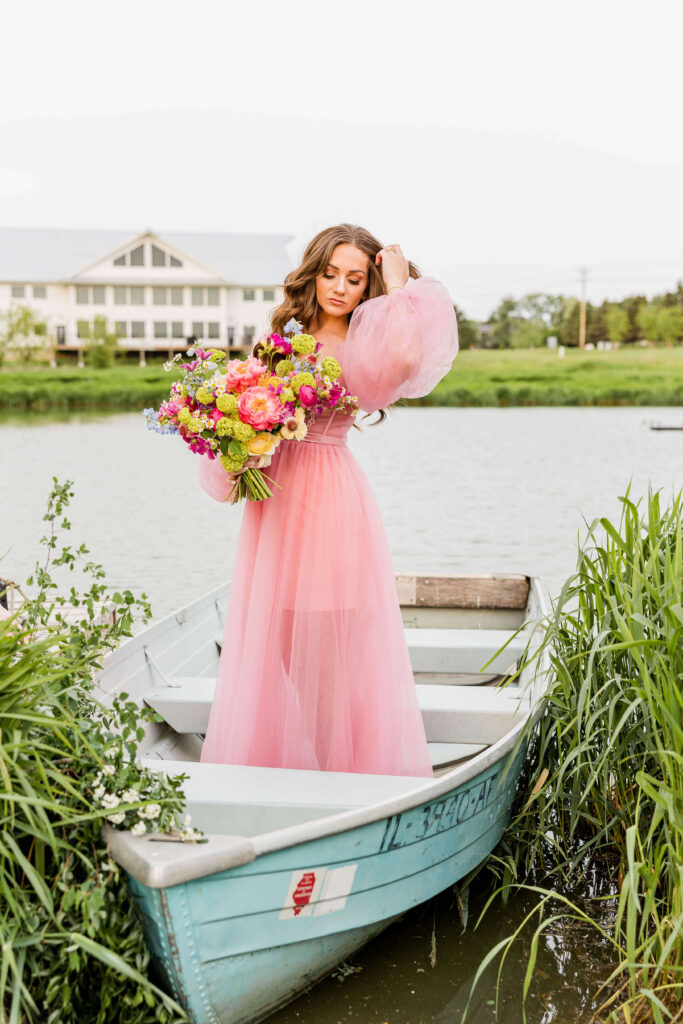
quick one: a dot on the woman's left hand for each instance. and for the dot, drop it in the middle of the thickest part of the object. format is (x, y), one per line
(395, 269)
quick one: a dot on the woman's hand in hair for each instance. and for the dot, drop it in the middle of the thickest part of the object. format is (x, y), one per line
(395, 269)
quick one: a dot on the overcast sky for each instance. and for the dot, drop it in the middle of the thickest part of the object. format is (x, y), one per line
(503, 145)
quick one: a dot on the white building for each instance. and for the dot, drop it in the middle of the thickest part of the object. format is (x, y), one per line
(158, 292)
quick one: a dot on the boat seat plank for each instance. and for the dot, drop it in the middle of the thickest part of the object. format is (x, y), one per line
(248, 785)
(463, 650)
(452, 714)
(458, 651)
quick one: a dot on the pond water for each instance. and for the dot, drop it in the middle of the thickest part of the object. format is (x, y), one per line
(460, 490)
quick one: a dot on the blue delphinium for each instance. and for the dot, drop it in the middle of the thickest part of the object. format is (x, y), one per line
(293, 327)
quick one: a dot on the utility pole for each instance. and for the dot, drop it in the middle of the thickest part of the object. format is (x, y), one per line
(582, 312)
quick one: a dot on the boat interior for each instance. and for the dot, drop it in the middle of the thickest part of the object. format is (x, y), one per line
(465, 636)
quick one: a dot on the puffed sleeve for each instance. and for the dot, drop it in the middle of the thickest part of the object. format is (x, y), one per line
(214, 479)
(400, 345)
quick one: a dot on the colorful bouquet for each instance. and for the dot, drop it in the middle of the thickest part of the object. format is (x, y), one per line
(241, 410)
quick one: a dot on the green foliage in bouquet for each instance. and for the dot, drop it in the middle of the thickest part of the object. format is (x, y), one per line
(72, 942)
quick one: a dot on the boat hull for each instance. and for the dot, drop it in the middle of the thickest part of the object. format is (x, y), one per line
(234, 946)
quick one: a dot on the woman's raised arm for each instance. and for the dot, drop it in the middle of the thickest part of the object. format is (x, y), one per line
(400, 345)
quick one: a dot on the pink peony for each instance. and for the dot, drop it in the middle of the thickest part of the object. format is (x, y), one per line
(260, 408)
(241, 374)
(308, 395)
(215, 415)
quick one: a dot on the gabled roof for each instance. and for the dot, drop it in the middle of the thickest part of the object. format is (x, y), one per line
(45, 255)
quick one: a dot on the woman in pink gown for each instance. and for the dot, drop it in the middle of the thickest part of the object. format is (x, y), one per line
(314, 671)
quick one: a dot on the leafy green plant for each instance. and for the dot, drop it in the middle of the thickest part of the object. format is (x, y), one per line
(606, 790)
(73, 946)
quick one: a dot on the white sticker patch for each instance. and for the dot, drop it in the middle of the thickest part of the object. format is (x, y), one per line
(336, 887)
(318, 891)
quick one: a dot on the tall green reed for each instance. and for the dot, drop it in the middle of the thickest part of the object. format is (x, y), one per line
(73, 949)
(606, 786)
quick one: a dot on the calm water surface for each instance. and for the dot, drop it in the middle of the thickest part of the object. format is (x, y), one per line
(460, 490)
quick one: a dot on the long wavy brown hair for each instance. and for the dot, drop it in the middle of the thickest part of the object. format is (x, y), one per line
(299, 285)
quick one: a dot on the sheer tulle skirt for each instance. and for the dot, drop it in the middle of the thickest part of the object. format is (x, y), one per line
(314, 671)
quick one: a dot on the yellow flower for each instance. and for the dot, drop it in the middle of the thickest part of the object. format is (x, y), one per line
(262, 443)
(295, 427)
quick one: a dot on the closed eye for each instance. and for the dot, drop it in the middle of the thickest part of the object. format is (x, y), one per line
(332, 275)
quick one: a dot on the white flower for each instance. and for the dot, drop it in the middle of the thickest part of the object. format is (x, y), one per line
(186, 820)
(116, 819)
(131, 796)
(139, 828)
(152, 811)
(110, 800)
(97, 777)
(111, 751)
(109, 769)
(99, 792)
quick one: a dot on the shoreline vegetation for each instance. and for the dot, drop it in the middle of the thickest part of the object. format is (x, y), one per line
(604, 784)
(480, 377)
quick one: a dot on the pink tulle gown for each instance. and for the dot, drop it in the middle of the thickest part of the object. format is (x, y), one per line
(314, 671)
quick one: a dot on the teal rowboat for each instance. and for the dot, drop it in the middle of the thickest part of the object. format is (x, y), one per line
(302, 868)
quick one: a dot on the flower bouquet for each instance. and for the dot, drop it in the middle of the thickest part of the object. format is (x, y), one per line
(240, 411)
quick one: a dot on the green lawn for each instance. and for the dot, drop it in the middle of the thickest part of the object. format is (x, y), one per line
(628, 376)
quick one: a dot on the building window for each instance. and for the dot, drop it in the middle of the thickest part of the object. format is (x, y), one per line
(248, 335)
(160, 329)
(158, 257)
(175, 262)
(120, 296)
(213, 330)
(121, 330)
(137, 296)
(159, 296)
(212, 296)
(82, 329)
(120, 261)
(98, 294)
(39, 291)
(177, 329)
(197, 296)
(82, 295)
(176, 296)
(197, 329)
(18, 291)
(248, 294)
(137, 256)
(137, 329)
(268, 294)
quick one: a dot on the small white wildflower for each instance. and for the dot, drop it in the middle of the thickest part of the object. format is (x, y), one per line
(110, 800)
(139, 828)
(111, 751)
(116, 819)
(97, 777)
(131, 796)
(168, 365)
(99, 792)
(186, 820)
(109, 769)
(153, 811)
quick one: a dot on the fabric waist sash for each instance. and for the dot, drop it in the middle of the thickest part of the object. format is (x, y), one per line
(339, 442)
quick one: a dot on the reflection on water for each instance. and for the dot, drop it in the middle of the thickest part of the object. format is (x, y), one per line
(478, 490)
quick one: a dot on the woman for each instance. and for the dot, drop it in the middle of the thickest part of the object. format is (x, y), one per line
(314, 671)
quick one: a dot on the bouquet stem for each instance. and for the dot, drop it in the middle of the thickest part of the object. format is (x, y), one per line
(250, 484)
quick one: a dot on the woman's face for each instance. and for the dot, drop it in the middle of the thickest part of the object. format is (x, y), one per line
(340, 287)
